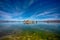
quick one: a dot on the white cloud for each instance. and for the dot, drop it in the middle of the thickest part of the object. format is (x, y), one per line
(46, 12)
(55, 15)
(8, 16)
(5, 15)
(49, 19)
(17, 13)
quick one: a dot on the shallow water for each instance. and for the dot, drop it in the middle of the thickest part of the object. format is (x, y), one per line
(8, 27)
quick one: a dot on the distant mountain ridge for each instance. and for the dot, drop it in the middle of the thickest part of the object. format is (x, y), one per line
(52, 21)
(58, 21)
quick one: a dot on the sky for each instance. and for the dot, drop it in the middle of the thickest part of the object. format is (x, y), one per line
(29, 9)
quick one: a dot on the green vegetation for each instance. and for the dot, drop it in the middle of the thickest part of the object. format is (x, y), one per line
(32, 34)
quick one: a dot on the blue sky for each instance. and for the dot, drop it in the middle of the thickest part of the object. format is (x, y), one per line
(29, 9)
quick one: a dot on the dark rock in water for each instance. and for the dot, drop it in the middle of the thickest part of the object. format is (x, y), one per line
(3, 34)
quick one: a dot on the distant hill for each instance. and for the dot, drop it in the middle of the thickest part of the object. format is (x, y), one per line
(8, 21)
(57, 21)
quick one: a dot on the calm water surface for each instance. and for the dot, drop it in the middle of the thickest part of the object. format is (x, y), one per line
(54, 27)
(21, 25)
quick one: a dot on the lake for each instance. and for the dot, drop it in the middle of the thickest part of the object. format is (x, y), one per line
(47, 30)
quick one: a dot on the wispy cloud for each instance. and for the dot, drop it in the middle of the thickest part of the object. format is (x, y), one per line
(9, 16)
(31, 2)
(28, 3)
(36, 14)
(46, 12)
(5, 15)
(55, 15)
(48, 19)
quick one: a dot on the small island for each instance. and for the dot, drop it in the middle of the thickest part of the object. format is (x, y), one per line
(29, 22)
